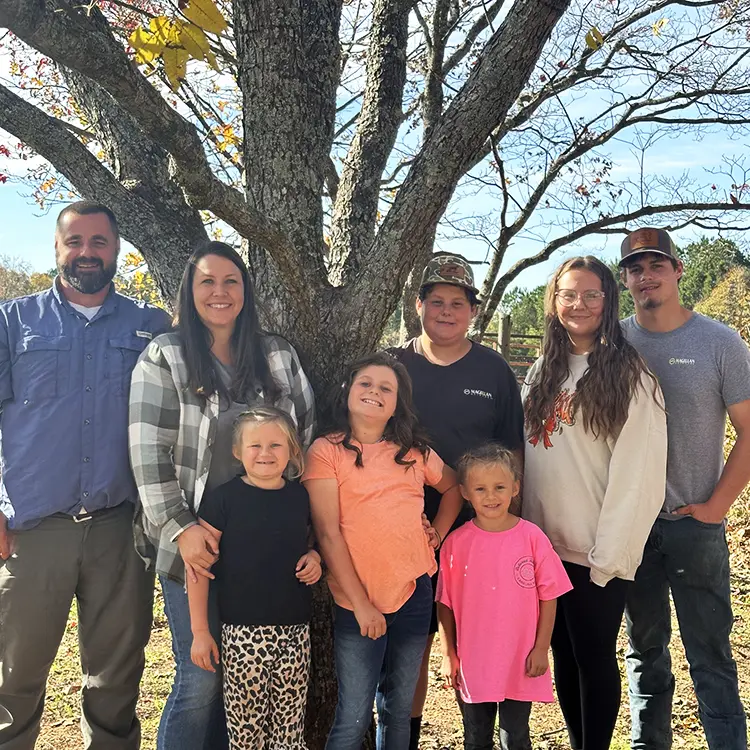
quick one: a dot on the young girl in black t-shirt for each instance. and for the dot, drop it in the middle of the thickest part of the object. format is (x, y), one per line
(265, 567)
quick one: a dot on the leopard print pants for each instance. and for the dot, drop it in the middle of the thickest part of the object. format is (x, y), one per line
(266, 671)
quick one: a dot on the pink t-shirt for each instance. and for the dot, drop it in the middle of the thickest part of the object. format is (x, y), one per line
(493, 582)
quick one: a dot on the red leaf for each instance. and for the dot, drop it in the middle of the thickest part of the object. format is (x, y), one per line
(3, 178)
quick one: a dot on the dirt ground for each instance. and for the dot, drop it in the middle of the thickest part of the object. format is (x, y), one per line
(442, 724)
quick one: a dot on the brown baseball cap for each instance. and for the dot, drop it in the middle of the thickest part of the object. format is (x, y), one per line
(448, 268)
(647, 240)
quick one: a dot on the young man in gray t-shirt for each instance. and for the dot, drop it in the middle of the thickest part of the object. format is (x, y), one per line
(703, 368)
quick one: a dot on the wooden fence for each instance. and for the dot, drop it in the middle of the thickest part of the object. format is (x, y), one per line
(519, 350)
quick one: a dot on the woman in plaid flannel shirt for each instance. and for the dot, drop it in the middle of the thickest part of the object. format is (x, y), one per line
(187, 388)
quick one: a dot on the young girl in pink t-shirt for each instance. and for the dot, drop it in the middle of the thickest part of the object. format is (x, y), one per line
(497, 587)
(366, 480)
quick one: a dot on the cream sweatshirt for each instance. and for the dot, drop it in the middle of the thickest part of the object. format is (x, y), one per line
(597, 499)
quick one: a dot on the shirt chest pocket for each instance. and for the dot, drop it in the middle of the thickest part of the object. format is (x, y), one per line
(122, 354)
(42, 367)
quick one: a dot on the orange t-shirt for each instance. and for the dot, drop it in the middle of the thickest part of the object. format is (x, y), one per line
(380, 507)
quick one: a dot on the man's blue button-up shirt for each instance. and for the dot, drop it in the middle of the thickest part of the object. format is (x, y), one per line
(64, 386)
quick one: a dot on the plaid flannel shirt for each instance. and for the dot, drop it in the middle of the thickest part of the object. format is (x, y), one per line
(171, 433)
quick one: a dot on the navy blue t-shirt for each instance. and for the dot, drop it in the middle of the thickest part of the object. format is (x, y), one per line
(472, 401)
(264, 534)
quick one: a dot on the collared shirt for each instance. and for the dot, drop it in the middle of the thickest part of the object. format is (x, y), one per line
(64, 384)
(172, 434)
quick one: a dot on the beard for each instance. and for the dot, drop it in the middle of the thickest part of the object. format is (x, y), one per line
(87, 282)
(651, 304)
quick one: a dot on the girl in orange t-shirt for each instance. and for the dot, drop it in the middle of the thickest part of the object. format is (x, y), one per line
(366, 479)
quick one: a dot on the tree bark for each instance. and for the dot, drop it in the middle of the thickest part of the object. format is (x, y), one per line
(358, 194)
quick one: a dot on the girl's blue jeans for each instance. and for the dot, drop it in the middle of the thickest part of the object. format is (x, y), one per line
(193, 717)
(384, 670)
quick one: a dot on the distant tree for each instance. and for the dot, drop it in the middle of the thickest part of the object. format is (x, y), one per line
(729, 301)
(706, 263)
(526, 309)
(135, 280)
(18, 280)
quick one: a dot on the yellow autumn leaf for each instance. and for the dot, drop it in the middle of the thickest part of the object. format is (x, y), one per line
(194, 41)
(206, 15)
(594, 39)
(211, 60)
(165, 31)
(131, 261)
(175, 65)
(147, 49)
(658, 27)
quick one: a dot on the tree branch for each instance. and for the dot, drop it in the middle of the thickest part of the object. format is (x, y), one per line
(483, 22)
(604, 225)
(355, 210)
(432, 100)
(483, 101)
(140, 221)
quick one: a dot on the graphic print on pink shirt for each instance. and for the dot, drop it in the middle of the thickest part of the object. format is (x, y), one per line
(493, 582)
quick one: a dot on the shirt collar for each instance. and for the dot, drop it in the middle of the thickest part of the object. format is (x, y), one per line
(108, 306)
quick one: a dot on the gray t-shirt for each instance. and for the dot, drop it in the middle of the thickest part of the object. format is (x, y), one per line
(703, 367)
(224, 466)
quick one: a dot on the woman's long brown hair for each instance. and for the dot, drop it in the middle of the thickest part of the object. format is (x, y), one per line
(604, 392)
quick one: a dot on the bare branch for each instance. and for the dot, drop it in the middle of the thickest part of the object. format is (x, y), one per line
(432, 100)
(482, 23)
(354, 212)
(485, 98)
(423, 24)
(604, 225)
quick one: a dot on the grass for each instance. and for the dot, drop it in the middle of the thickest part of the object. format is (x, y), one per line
(442, 722)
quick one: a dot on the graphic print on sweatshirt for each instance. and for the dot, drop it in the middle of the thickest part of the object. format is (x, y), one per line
(562, 414)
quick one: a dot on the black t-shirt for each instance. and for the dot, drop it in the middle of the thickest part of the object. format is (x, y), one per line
(462, 405)
(264, 534)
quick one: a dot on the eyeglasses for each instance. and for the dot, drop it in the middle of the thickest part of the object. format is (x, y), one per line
(590, 298)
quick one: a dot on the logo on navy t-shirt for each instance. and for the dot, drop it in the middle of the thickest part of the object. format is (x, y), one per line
(476, 392)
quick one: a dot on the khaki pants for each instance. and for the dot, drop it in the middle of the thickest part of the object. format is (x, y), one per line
(95, 562)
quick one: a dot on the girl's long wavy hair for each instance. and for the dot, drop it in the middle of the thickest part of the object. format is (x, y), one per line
(615, 368)
(250, 358)
(402, 428)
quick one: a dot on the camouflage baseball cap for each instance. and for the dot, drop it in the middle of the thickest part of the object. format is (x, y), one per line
(447, 268)
(647, 240)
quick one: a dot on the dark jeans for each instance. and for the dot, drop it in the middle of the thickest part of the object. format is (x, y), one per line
(690, 559)
(385, 670)
(193, 717)
(584, 645)
(94, 562)
(479, 725)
